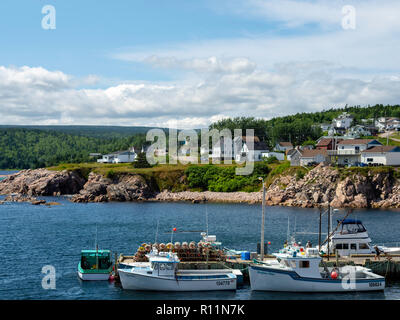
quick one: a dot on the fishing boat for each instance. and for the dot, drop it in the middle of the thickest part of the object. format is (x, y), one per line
(95, 265)
(298, 270)
(351, 237)
(163, 275)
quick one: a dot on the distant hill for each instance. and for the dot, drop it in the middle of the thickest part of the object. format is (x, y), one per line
(24, 147)
(88, 131)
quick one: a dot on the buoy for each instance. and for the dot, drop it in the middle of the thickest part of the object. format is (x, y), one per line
(111, 278)
(334, 275)
(269, 242)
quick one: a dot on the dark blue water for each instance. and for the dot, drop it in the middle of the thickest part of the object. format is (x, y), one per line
(35, 236)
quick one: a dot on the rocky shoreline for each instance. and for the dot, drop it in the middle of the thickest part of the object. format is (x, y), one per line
(321, 186)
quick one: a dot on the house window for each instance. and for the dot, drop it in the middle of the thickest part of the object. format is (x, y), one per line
(304, 264)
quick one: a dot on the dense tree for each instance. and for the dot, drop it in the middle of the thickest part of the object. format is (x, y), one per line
(33, 148)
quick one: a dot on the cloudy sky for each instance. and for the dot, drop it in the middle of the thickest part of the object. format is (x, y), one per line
(187, 63)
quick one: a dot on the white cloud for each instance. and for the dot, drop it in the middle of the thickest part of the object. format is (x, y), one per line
(38, 96)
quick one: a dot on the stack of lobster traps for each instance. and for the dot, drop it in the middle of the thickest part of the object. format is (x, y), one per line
(187, 252)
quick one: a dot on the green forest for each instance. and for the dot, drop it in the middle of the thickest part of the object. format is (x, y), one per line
(23, 147)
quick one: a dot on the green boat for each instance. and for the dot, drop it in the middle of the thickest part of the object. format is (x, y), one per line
(95, 265)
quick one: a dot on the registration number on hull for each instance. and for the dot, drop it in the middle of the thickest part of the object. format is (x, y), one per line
(223, 283)
(375, 284)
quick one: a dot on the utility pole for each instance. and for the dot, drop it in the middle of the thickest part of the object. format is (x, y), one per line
(319, 229)
(329, 227)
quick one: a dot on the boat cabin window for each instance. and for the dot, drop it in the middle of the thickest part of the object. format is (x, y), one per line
(352, 228)
(293, 264)
(162, 266)
(363, 246)
(169, 266)
(304, 264)
(342, 246)
(353, 246)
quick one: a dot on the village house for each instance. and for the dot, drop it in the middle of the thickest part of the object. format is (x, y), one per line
(325, 126)
(344, 121)
(283, 146)
(357, 132)
(327, 143)
(349, 151)
(295, 155)
(290, 153)
(278, 155)
(383, 155)
(119, 157)
(222, 149)
(313, 156)
(252, 150)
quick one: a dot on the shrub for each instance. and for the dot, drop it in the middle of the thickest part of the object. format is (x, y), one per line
(141, 161)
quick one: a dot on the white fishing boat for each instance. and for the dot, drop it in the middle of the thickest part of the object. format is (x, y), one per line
(351, 237)
(163, 275)
(299, 270)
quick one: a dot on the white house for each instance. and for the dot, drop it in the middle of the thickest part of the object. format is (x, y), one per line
(119, 157)
(325, 126)
(278, 155)
(283, 146)
(349, 151)
(358, 131)
(252, 151)
(343, 121)
(223, 149)
(313, 156)
(385, 155)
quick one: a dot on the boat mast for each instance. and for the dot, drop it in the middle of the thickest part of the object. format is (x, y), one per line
(155, 239)
(206, 221)
(262, 221)
(97, 251)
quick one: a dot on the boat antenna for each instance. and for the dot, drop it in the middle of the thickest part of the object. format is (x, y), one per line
(206, 220)
(288, 229)
(155, 239)
(97, 251)
(95, 240)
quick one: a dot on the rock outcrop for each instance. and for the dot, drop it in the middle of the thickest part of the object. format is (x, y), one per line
(42, 182)
(323, 186)
(122, 188)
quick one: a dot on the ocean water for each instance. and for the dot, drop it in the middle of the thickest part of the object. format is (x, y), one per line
(35, 236)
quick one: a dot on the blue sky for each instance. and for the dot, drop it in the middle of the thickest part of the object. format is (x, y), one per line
(193, 62)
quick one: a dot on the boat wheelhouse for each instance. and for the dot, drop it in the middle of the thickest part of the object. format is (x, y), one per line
(299, 270)
(351, 237)
(95, 265)
(162, 274)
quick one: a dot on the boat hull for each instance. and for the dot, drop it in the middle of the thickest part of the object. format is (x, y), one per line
(93, 276)
(135, 281)
(268, 279)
